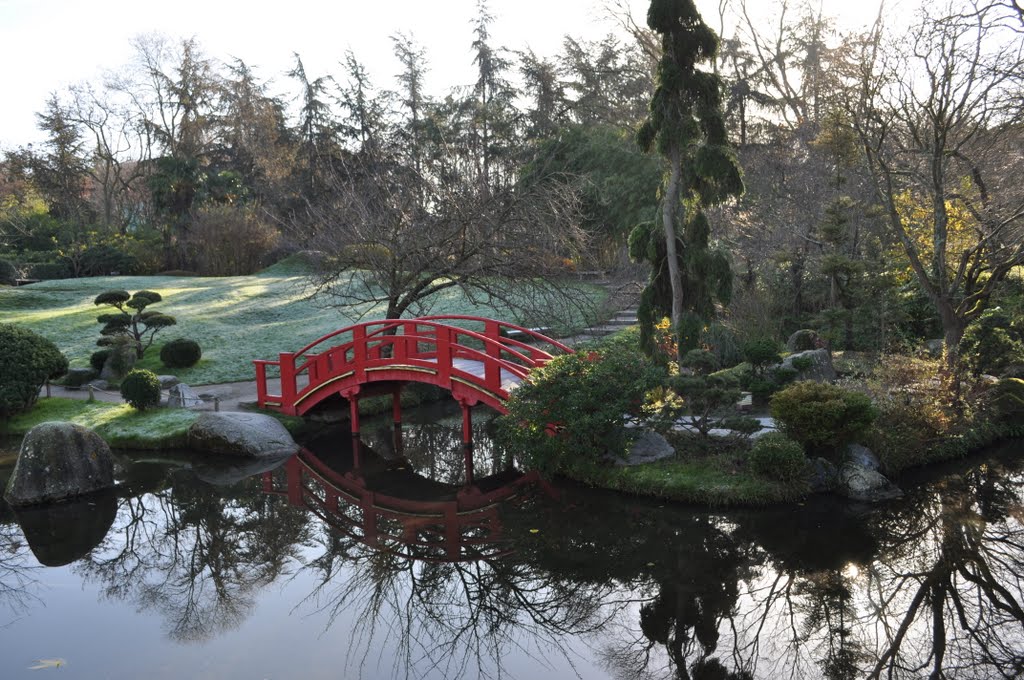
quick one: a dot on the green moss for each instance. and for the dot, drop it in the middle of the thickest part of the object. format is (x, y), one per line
(119, 425)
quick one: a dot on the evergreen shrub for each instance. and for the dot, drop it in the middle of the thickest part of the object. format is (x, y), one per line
(570, 413)
(181, 353)
(141, 389)
(821, 416)
(778, 457)
(27, 360)
(98, 358)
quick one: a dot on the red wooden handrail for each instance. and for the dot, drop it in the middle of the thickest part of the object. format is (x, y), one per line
(398, 345)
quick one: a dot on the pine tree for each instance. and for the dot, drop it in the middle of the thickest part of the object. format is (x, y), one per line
(686, 126)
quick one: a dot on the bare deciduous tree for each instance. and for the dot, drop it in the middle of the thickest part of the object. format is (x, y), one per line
(939, 117)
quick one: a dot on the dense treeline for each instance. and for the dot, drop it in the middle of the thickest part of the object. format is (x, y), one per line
(879, 206)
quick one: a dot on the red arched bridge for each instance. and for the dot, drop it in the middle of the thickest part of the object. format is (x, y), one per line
(478, 360)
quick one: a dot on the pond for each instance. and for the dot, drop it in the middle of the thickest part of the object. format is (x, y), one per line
(322, 568)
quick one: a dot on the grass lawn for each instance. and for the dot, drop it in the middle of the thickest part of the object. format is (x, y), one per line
(711, 475)
(234, 319)
(119, 425)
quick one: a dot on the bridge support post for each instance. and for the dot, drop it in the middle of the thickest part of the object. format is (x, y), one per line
(353, 409)
(396, 405)
(467, 440)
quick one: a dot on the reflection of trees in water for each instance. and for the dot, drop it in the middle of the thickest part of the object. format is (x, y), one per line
(17, 574)
(435, 449)
(196, 554)
(460, 619)
(952, 605)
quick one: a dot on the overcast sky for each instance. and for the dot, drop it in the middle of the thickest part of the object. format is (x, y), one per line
(47, 45)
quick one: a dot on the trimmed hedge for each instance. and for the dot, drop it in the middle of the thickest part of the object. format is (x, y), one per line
(27, 360)
(181, 353)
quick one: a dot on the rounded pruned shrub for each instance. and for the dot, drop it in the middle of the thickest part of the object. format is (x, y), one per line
(181, 353)
(141, 389)
(570, 414)
(821, 416)
(27, 360)
(778, 457)
(99, 358)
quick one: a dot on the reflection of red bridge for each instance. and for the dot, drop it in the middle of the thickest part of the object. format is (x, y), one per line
(465, 527)
(379, 357)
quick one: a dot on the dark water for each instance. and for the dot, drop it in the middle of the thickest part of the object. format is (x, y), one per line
(196, 569)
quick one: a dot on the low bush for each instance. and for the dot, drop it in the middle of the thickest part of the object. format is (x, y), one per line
(98, 358)
(778, 457)
(27, 360)
(761, 354)
(820, 416)
(181, 353)
(78, 377)
(141, 389)
(571, 413)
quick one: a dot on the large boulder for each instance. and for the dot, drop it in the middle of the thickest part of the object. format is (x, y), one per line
(184, 396)
(862, 456)
(803, 340)
(814, 364)
(862, 484)
(241, 434)
(59, 461)
(648, 448)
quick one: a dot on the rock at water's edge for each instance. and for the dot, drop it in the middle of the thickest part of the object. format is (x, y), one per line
(241, 434)
(862, 484)
(59, 461)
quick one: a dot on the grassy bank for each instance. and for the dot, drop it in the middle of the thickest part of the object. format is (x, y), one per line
(234, 319)
(121, 426)
(717, 477)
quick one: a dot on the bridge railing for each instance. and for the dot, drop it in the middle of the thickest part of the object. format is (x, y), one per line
(424, 343)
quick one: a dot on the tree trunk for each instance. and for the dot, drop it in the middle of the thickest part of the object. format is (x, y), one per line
(670, 203)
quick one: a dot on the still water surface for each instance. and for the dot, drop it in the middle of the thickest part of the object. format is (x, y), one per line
(194, 569)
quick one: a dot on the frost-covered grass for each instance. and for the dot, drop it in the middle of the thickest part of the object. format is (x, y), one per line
(234, 319)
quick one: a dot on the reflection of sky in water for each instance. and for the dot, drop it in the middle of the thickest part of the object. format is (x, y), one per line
(199, 581)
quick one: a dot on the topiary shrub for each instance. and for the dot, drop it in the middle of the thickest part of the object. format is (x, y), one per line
(778, 457)
(8, 273)
(27, 360)
(181, 353)
(132, 319)
(821, 416)
(570, 414)
(98, 358)
(761, 354)
(141, 389)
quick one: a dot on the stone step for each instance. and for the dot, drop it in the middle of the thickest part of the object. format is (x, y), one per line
(600, 331)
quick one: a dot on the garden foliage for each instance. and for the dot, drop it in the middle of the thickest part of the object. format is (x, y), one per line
(27, 360)
(778, 457)
(141, 389)
(821, 416)
(571, 412)
(181, 353)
